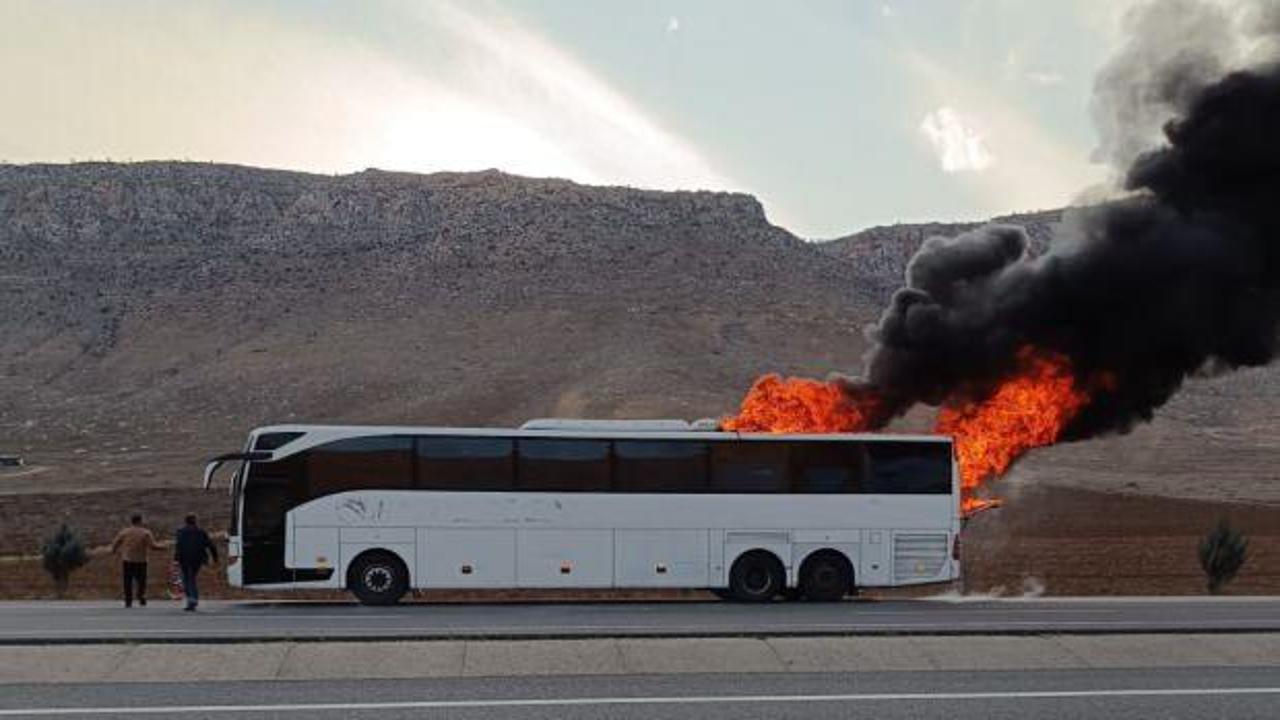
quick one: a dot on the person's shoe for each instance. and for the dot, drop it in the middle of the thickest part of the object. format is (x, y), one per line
(190, 608)
(128, 605)
(142, 602)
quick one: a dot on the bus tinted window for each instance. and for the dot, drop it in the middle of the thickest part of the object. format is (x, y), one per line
(368, 463)
(659, 466)
(571, 465)
(465, 463)
(272, 441)
(905, 468)
(749, 467)
(827, 467)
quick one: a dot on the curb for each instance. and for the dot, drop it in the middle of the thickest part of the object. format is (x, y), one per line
(654, 635)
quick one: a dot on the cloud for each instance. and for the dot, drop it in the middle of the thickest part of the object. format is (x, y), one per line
(1037, 167)
(673, 24)
(468, 88)
(959, 146)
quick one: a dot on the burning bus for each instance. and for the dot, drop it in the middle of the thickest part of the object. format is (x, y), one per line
(590, 504)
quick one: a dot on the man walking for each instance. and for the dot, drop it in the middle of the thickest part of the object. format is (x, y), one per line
(132, 544)
(192, 549)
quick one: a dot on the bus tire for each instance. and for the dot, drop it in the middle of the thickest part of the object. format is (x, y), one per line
(826, 576)
(757, 576)
(378, 577)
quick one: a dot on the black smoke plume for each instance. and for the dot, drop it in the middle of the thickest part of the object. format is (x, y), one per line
(1180, 275)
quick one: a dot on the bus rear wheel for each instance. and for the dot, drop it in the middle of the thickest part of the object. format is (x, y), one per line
(756, 577)
(826, 577)
(378, 578)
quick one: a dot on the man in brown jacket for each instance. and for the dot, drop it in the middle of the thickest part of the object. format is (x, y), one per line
(132, 543)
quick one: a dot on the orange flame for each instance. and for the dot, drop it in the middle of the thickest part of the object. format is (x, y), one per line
(800, 405)
(1029, 410)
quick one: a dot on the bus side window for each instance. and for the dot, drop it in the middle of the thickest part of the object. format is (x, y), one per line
(826, 467)
(658, 466)
(910, 468)
(363, 463)
(547, 464)
(749, 467)
(465, 463)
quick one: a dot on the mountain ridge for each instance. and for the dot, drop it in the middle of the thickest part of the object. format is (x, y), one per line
(155, 312)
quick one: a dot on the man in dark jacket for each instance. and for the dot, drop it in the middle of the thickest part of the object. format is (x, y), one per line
(192, 548)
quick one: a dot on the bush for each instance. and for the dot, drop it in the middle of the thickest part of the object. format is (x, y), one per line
(1222, 552)
(63, 554)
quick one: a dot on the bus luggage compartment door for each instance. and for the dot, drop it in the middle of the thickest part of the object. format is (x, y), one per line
(467, 557)
(661, 558)
(565, 558)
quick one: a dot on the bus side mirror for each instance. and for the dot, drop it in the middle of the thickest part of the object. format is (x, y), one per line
(212, 466)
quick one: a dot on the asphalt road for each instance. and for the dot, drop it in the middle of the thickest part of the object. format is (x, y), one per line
(1194, 693)
(26, 623)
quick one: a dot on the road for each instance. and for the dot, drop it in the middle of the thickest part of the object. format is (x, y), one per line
(1192, 694)
(23, 623)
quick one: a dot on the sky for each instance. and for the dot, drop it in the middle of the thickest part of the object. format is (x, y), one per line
(836, 115)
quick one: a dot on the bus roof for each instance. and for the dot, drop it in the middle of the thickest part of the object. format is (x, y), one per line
(313, 435)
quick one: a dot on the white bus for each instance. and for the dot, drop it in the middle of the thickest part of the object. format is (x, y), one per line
(590, 504)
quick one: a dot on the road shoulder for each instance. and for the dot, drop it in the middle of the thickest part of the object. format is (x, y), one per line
(168, 662)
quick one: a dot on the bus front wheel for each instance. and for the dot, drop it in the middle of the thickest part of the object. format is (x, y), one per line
(756, 577)
(378, 578)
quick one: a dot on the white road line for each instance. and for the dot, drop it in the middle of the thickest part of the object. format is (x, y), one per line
(673, 700)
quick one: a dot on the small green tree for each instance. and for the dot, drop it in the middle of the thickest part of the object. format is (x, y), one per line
(1222, 552)
(63, 554)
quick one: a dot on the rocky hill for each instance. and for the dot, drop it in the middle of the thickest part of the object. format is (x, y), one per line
(162, 309)
(880, 254)
(152, 313)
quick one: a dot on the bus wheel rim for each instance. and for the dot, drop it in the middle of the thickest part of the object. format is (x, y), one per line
(378, 579)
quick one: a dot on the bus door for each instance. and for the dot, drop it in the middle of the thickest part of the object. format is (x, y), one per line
(271, 490)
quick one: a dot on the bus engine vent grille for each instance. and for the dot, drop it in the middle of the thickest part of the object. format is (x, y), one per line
(918, 555)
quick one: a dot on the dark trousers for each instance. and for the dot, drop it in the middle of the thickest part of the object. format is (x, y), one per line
(189, 587)
(135, 574)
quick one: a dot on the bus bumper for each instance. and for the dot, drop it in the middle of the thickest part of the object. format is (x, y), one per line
(235, 572)
(235, 565)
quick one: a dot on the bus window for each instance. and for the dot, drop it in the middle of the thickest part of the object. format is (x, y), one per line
(465, 463)
(749, 467)
(274, 441)
(659, 466)
(366, 463)
(826, 467)
(571, 465)
(909, 468)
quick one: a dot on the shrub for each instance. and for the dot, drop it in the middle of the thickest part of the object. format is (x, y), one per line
(63, 554)
(1222, 552)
